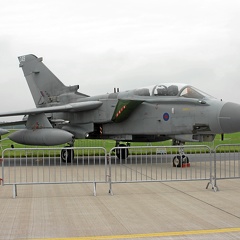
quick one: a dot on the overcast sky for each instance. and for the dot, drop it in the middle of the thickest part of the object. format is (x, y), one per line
(102, 44)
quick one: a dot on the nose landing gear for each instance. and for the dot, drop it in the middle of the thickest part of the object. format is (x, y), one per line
(180, 160)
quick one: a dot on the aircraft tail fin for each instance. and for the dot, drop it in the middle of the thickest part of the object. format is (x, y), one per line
(45, 87)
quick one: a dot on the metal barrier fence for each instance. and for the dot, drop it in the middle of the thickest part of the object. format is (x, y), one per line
(227, 162)
(155, 164)
(44, 166)
(120, 165)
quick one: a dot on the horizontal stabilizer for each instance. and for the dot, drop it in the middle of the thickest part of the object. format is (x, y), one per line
(71, 107)
(3, 131)
(15, 123)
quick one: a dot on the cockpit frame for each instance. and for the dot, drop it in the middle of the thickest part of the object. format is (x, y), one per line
(171, 90)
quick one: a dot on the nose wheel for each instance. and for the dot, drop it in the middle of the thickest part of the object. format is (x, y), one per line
(181, 161)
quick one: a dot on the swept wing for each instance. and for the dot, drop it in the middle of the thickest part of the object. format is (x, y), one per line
(71, 107)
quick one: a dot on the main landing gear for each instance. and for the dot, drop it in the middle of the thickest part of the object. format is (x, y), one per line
(122, 150)
(180, 160)
(67, 154)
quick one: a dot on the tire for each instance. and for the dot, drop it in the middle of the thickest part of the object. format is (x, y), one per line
(67, 155)
(185, 159)
(122, 153)
(177, 161)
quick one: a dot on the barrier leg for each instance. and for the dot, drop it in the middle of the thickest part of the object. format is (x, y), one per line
(212, 182)
(110, 189)
(14, 190)
(95, 189)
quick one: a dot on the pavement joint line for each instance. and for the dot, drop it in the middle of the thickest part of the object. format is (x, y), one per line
(209, 204)
(146, 235)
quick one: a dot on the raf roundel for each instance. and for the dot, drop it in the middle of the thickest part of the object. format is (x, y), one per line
(165, 116)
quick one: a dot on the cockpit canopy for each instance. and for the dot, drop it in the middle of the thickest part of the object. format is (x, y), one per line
(168, 89)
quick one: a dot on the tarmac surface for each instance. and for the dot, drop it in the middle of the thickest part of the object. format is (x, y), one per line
(169, 210)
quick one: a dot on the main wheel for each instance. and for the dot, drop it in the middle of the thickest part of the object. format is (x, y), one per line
(67, 155)
(122, 153)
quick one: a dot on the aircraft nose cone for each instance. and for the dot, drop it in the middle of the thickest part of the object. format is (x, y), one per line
(229, 117)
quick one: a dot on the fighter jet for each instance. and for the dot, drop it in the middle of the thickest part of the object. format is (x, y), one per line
(150, 114)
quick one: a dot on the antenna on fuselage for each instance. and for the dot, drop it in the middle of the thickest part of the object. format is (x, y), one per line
(115, 90)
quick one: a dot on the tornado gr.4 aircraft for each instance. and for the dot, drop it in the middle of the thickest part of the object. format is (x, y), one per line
(149, 114)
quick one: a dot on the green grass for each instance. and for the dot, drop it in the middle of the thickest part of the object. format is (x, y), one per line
(109, 144)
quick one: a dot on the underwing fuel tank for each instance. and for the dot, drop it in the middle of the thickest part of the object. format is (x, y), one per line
(41, 137)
